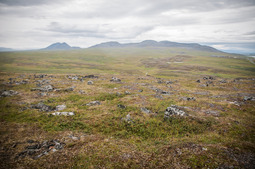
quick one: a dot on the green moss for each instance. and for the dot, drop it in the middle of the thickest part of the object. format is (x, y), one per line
(153, 127)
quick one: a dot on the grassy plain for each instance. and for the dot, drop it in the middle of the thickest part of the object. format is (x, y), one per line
(223, 139)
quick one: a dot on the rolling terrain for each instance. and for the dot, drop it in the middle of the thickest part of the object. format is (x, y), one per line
(140, 105)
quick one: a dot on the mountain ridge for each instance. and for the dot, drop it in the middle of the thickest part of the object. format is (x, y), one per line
(153, 43)
(3, 49)
(60, 46)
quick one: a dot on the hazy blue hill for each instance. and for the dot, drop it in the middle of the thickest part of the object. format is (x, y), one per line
(152, 43)
(60, 46)
(107, 44)
(2, 49)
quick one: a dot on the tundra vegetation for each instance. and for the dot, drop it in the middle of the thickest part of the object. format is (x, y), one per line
(126, 108)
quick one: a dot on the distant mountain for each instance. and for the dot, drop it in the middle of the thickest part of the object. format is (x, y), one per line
(107, 44)
(60, 46)
(251, 54)
(152, 43)
(2, 49)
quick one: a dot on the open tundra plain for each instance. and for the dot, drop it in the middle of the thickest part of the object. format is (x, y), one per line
(127, 108)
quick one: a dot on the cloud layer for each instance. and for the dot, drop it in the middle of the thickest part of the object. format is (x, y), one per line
(27, 24)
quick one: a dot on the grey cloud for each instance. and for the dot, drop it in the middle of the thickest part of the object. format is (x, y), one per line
(129, 20)
(250, 33)
(27, 2)
(98, 30)
(152, 10)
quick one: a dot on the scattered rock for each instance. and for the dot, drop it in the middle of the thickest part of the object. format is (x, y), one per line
(90, 82)
(121, 106)
(223, 81)
(38, 150)
(198, 81)
(60, 107)
(74, 137)
(209, 82)
(42, 107)
(212, 112)
(127, 92)
(248, 98)
(30, 141)
(8, 93)
(42, 82)
(91, 76)
(115, 79)
(183, 108)
(144, 110)
(203, 85)
(159, 91)
(82, 92)
(72, 77)
(42, 94)
(141, 90)
(173, 111)
(188, 98)
(20, 82)
(127, 119)
(208, 78)
(158, 96)
(204, 148)
(201, 93)
(63, 113)
(165, 93)
(93, 103)
(46, 88)
(70, 89)
(126, 156)
(40, 76)
(235, 103)
(169, 82)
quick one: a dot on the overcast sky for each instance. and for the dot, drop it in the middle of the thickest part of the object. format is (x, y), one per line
(224, 24)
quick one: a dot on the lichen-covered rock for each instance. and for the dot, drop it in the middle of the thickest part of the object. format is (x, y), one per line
(63, 113)
(223, 81)
(40, 76)
(169, 82)
(73, 77)
(93, 103)
(60, 107)
(91, 76)
(70, 89)
(9, 93)
(173, 111)
(248, 98)
(42, 107)
(147, 111)
(115, 79)
(188, 98)
(127, 119)
(212, 112)
(42, 94)
(46, 88)
(90, 82)
(121, 106)
(36, 149)
(127, 92)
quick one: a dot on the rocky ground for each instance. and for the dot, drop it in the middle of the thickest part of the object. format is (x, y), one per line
(126, 121)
